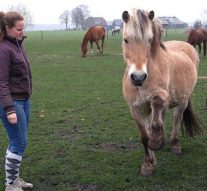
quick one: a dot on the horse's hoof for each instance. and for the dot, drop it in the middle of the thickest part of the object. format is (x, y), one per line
(175, 147)
(176, 150)
(147, 169)
(155, 146)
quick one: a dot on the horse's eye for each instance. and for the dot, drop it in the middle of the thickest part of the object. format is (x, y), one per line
(150, 40)
(126, 41)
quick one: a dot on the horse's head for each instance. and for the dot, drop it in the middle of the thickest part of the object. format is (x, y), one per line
(84, 49)
(141, 37)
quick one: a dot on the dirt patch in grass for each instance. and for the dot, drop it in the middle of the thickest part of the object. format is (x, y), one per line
(70, 133)
(129, 146)
(86, 187)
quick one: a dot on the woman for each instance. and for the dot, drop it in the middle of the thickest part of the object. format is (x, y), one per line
(15, 91)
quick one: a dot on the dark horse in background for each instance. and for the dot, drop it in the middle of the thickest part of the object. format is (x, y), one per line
(94, 34)
(115, 31)
(197, 37)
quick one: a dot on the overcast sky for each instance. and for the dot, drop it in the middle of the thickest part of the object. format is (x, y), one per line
(48, 11)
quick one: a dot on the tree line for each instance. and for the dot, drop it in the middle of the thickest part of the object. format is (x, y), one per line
(77, 16)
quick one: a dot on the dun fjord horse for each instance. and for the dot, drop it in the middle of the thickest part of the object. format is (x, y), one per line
(197, 37)
(158, 76)
(94, 34)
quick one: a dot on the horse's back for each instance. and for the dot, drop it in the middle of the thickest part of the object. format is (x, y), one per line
(183, 49)
(98, 32)
(204, 33)
(94, 33)
(100, 29)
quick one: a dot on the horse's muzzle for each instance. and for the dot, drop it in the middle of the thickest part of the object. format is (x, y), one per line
(138, 80)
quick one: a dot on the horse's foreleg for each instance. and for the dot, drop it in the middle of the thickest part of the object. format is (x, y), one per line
(177, 118)
(204, 48)
(97, 44)
(156, 130)
(91, 42)
(102, 43)
(149, 157)
(199, 47)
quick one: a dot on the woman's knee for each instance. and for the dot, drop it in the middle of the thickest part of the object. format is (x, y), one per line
(18, 148)
(22, 147)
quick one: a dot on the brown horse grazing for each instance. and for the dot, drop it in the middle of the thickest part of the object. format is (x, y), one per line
(94, 34)
(158, 76)
(197, 37)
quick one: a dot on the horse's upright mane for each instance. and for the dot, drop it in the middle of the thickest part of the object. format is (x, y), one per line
(138, 26)
(157, 36)
(85, 38)
(141, 28)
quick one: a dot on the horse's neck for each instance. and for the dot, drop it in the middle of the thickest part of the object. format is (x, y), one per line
(85, 41)
(157, 63)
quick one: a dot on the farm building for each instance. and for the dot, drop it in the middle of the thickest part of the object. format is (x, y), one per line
(172, 22)
(95, 21)
(117, 23)
(109, 25)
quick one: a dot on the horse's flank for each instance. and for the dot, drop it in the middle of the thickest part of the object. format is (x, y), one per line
(197, 37)
(182, 62)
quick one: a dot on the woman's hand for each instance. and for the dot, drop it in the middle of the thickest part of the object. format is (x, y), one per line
(12, 118)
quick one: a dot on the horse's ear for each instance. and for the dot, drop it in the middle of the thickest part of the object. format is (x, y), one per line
(125, 16)
(151, 15)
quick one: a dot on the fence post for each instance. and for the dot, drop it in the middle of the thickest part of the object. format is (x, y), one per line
(42, 35)
(107, 33)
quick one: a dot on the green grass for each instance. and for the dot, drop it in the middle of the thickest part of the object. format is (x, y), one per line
(82, 136)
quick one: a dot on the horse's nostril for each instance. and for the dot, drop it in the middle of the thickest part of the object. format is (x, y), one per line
(133, 77)
(143, 77)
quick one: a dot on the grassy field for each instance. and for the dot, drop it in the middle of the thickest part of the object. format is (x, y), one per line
(82, 136)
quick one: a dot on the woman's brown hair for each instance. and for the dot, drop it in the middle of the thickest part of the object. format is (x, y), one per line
(10, 18)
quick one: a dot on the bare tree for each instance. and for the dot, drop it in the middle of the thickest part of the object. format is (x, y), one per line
(79, 15)
(65, 18)
(204, 15)
(24, 11)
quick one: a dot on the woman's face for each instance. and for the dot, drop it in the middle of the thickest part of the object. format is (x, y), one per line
(17, 31)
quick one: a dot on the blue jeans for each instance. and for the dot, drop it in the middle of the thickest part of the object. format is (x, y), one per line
(17, 133)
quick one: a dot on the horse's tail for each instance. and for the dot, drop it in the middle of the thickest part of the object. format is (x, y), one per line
(191, 122)
(104, 34)
(104, 31)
